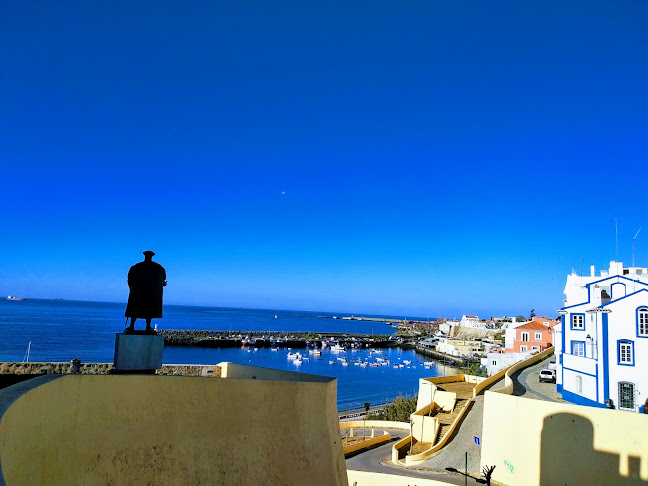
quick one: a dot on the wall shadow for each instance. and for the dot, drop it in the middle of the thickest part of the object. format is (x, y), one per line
(568, 457)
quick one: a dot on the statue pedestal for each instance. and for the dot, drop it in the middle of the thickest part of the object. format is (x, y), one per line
(138, 353)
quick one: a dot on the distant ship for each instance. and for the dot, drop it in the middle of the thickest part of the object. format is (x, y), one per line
(9, 297)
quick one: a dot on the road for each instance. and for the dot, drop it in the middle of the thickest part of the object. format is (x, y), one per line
(526, 383)
(453, 455)
(372, 460)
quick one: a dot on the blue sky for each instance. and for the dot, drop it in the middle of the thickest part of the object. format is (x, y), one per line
(436, 157)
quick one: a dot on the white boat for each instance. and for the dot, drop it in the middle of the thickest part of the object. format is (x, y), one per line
(297, 361)
(274, 349)
(10, 297)
(332, 362)
(344, 363)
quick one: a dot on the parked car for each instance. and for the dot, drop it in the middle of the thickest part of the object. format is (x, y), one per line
(551, 365)
(548, 376)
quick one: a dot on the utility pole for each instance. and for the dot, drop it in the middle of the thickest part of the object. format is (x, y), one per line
(634, 272)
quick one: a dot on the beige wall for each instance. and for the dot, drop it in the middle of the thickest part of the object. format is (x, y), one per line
(533, 442)
(135, 429)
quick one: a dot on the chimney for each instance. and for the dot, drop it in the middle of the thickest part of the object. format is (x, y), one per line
(592, 272)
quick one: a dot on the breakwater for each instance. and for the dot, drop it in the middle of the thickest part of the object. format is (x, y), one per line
(257, 339)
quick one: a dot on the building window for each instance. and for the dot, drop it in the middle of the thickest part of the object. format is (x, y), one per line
(523, 349)
(626, 395)
(578, 348)
(525, 336)
(642, 322)
(538, 336)
(494, 362)
(578, 321)
(579, 384)
(626, 353)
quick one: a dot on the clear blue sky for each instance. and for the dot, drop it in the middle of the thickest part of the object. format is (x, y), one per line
(437, 157)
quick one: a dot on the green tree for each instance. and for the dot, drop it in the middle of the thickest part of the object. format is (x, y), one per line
(367, 406)
(398, 411)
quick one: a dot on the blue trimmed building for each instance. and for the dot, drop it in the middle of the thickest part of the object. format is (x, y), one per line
(602, 341)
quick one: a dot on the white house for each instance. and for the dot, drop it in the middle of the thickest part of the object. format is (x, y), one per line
(602, 340)
(471, 321)
(495, 362)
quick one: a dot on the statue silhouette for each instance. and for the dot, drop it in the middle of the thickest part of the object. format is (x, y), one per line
(145, 280)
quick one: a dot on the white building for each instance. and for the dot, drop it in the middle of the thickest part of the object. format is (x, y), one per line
(495, 362)
(471, 321)
(602, 341)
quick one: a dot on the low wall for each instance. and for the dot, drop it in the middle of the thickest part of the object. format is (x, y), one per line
(489, 381)
(540, 443)
(365, 444)
(374, 424)
(507, 389)
(400, 448)
(168, 430)
(63, 368)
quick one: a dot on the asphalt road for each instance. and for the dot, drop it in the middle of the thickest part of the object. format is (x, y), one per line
(526, 383)
(453, 455)
(372, 460)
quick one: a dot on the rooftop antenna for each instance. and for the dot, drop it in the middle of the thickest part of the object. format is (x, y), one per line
(616, 235)
(634, 271)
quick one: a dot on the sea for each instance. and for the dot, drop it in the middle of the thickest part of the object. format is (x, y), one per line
(43, 330)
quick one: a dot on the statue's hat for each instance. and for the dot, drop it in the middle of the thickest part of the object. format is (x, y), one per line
(148, 252)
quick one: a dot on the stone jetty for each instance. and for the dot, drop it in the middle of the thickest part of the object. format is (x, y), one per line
(232, 339)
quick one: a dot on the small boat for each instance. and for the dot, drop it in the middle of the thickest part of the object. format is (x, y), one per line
(10, 297)
(297, 361)
(332, 362)
(274, 349)
(344, 363)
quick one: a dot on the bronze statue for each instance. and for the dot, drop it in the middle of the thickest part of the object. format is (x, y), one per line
(145, 280)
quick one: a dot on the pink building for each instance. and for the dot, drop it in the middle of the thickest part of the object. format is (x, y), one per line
(535, 335)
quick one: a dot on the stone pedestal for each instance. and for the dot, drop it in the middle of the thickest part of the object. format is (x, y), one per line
(138, 353)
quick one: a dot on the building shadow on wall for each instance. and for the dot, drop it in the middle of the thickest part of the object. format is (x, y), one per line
(568, 457)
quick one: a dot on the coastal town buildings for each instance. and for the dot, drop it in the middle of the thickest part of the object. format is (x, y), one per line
(498, 360)
(459, 347)
(533, 335)
(602, 340)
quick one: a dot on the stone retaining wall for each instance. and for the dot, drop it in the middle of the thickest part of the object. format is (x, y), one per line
(102, 369)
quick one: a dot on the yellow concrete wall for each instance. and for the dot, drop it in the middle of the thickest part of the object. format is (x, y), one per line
(424, 428)
(162, 430)
(233, 370)
(507, 389)
(533, 442)
(374, 424)
(380, 439)
(445, 400)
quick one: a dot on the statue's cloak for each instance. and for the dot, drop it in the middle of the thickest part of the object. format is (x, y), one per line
(146, 281)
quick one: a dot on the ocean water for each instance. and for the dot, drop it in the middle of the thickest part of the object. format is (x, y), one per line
(60, 330)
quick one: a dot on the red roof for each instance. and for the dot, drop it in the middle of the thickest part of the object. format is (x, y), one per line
(533, 325)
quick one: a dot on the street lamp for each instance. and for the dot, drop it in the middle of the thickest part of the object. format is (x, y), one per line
(592, 344)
